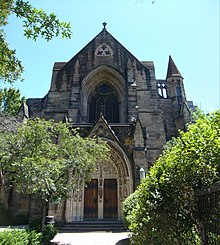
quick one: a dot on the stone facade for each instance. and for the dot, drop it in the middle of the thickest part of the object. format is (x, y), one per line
(107, 91)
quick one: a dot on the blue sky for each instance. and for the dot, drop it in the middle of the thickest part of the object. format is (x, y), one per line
(188, 30)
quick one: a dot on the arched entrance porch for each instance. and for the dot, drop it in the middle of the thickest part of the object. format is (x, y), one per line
(103, 196)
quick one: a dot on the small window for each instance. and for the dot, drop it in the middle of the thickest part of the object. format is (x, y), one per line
(162, 90)
(178, 91)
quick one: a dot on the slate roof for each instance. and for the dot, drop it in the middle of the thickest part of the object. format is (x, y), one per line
(172, 69)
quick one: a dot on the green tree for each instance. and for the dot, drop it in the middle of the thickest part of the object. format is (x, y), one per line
(46, 159)
(8, 126)
(164, 209)
(36, 23)
(10, 101)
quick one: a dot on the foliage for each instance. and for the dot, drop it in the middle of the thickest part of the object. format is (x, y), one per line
(19, 237)
(10, 101)
(42, 153)
(8, 123)
(166, 210)
(49, 233)
(129, 204)
(46, 159)
(36, 23)
(11, 68)
(8, 126)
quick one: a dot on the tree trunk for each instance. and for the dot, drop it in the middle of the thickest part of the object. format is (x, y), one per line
(3, 195)
(43, 212)
(29, 209)
(203, 234)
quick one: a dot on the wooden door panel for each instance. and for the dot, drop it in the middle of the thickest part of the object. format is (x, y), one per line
(91, 200)
(110, 199)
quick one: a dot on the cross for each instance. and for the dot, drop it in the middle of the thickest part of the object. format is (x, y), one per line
(104, 24)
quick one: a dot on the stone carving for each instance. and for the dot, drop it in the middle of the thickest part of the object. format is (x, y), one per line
(102, 129)
(109, 168)
(103, 50)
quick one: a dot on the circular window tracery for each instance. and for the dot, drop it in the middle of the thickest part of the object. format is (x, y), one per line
(103, 50)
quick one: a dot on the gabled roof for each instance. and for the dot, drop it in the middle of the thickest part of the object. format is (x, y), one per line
(100, 37)
(172, 69)
(103, 129)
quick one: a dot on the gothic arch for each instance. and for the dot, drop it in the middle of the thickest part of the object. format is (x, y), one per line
(118, 168)
(101, 75)
(123, 166)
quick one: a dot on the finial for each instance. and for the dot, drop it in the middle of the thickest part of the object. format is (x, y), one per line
(104, 24)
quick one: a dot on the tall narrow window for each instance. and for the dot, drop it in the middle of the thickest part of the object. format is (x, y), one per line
(178, 91)
(179, 94)
(104, 101)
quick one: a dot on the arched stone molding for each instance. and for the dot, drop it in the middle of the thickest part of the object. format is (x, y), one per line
(117, 167)
(100, 75)
(122, 164)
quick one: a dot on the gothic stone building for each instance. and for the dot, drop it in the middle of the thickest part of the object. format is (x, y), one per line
(106, 91)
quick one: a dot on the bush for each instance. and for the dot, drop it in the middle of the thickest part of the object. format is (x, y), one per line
(34, 237)
(128, 205)
(213, 238)
(49, 233)
(165, 207)
(19, 237)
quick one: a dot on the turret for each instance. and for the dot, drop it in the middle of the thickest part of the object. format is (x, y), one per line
(175, 87)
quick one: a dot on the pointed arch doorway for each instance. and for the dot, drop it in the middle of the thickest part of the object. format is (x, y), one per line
(109, 205)
(103, 196)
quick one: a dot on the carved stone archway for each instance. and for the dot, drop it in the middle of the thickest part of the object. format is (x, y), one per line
(116, 170)
(103, 75)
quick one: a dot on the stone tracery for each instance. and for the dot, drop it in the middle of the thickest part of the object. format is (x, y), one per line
(103, 50)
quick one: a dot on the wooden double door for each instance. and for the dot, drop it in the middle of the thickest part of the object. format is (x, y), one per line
(106, 200)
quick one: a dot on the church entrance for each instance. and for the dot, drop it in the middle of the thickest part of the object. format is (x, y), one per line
(110, 199)
(95, 208)
(91, 200)
(103, 196)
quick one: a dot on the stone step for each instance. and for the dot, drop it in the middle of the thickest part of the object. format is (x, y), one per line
(89, 226)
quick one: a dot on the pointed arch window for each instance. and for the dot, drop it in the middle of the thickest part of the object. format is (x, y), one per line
(104, 101)
(162, 89)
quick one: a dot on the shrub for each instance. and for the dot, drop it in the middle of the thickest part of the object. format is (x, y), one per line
(128, 205)
(34, 237)
(165, 208)
(49, 233)
(19, 237)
